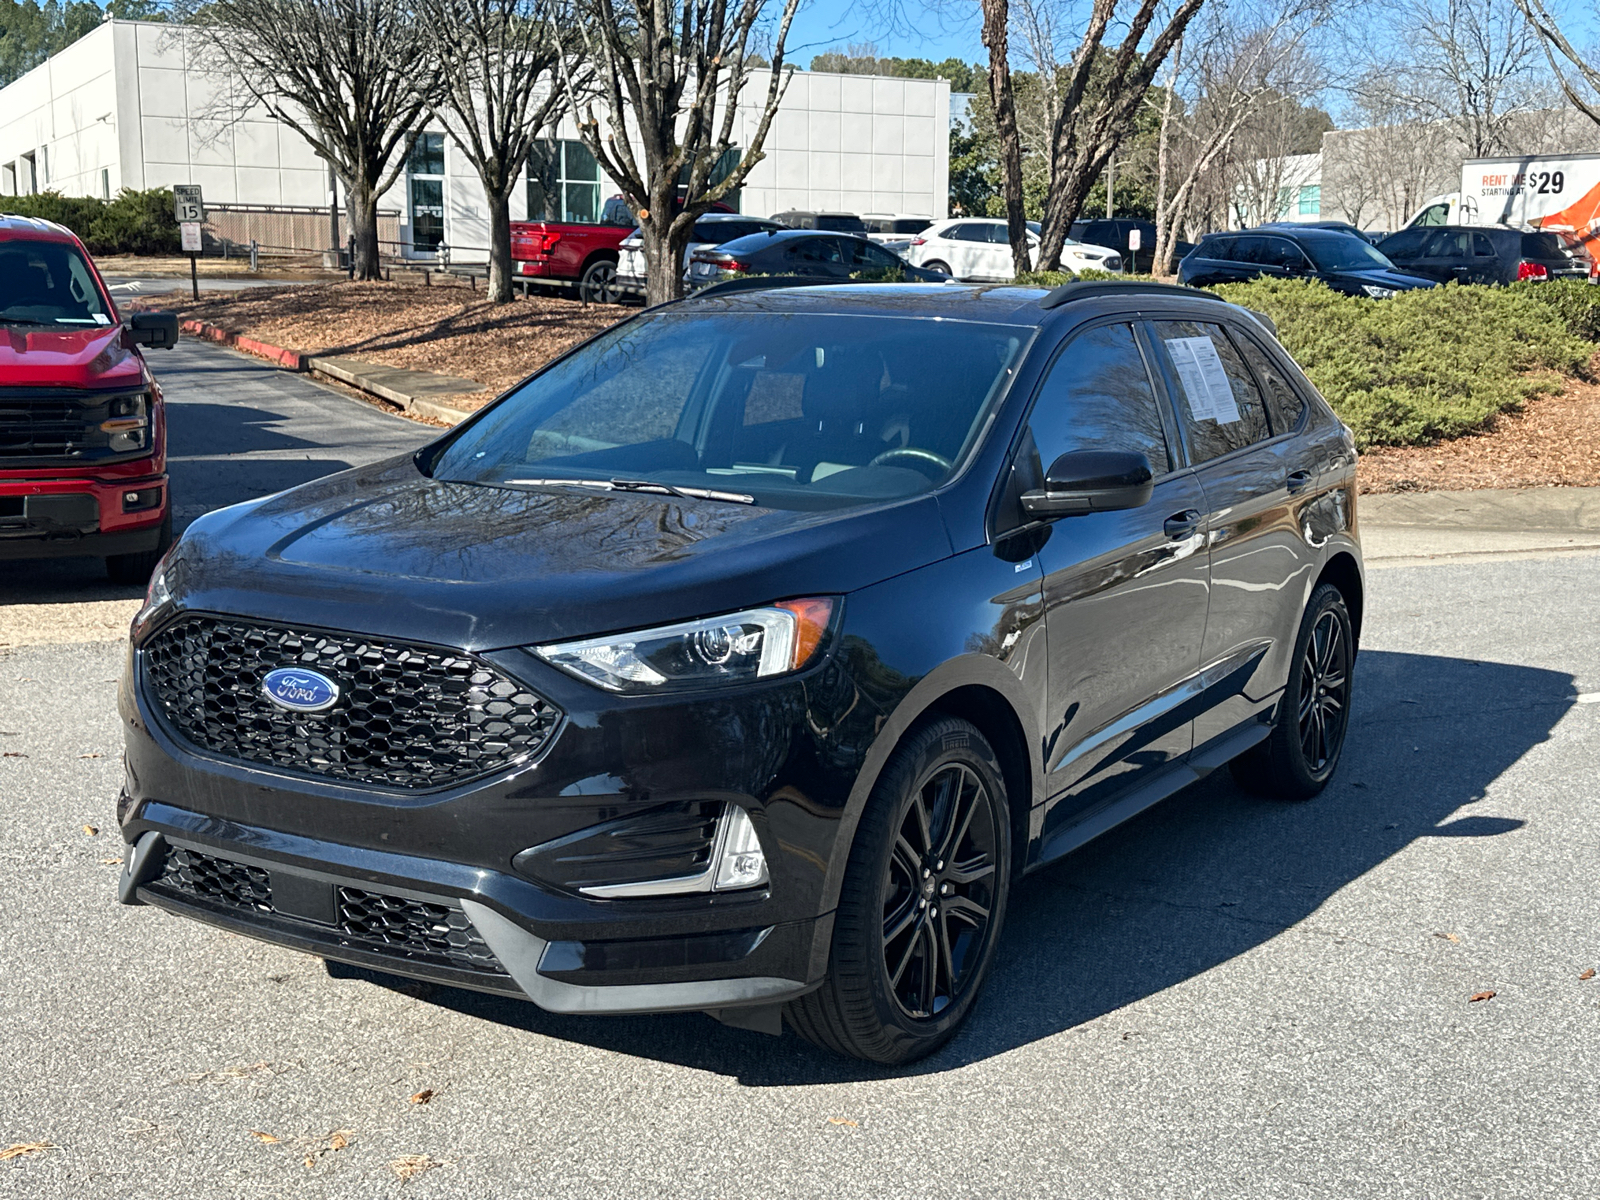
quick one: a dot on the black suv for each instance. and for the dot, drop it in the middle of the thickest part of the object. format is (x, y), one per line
(1117, 233)
(1343, 261)
(744, 657)
(832, 222)
(1486, 254)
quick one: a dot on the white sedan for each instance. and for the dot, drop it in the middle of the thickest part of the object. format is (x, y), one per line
(977, 249)
(711, 230)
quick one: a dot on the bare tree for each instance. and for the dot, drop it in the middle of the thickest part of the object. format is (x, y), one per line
(1094, 96)
(996, 19)
(1251, 60)
(499, 85)
(1471, 64)
(1379, 173)
(352, 77)
(1578, 77)
(672, 79)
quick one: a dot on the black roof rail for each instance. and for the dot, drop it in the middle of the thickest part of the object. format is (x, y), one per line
(1084, 289)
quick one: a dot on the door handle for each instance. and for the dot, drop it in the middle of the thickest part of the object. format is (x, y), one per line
(1298, 481)
(1181, 525)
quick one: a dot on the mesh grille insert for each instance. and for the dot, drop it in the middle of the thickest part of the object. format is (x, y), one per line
(407, 716)
(415, 928)
(217, 879)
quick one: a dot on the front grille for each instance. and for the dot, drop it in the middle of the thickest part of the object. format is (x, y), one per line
(407, 716)
(55, 424)
(217, 879)
(414, 928)
(423, 931)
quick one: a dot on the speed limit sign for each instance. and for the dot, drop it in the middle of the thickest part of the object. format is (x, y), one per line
(186, 203)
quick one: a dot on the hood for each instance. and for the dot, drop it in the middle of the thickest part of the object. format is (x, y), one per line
(52, 356)
(1380, 277)
(385, 550)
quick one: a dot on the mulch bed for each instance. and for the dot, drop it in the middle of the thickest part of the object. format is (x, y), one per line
(447, 328)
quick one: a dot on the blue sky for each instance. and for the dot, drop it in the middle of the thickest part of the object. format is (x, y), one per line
(833, 24)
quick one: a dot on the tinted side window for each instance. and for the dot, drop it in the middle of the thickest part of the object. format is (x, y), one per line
(869, 256)
(967, 232)
(818, 250)
(1250, 250)
(1482, 247)
(1098, 396)
(1218, 249)
(1542, 245)
(1221, 406)
(1280, 252)
(1406, 244)
(1284, 406)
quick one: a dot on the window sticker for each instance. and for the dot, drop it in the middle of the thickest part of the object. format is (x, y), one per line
(1204, 379)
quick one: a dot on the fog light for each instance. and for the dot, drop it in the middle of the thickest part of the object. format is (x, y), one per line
(742, 865)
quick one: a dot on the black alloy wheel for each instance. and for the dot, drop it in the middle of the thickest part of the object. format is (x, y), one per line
(1308, 732)
(599, 283)
(1324, 696)
(922, 904)
(939, 891)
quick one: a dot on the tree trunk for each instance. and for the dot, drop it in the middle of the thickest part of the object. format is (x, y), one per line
(995, 15)
(1062, 207)
(1161, 252)
(500, 264)
(664, 241)
(362, 203)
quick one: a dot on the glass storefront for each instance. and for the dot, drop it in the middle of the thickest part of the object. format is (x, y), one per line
(425, 191)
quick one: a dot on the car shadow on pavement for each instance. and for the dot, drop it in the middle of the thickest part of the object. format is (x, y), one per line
(1210, 874)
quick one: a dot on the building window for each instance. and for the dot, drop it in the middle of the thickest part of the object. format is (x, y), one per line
(44, 164)
(105, 183)
(720, 170)
(425, 190)
(563, 182)
(1310, 199)
(30, 175)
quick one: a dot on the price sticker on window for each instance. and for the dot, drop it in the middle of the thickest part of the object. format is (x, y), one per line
(1205, 380)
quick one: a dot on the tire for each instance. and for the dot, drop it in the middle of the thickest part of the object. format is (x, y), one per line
(598, 284)
(133, 570)
(1308, 733)
(906, 905)
(939, 265)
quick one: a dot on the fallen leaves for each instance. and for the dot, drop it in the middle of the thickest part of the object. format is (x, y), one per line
(90, 831)
(266, 1139)
(18, 1149)
(1586, 974)
(843, 1121)
(337, 1140)
(230, 1072)
(1477, 996)
(422, 1097)
(13, 754)
(1449, 937)
(409, 1166)
(91, 756)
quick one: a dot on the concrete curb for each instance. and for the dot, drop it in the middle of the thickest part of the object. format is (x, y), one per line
(372, 378)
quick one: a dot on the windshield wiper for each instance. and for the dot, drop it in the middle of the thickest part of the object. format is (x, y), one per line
(639, 485)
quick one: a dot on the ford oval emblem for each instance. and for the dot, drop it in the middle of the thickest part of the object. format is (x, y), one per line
(299, 690)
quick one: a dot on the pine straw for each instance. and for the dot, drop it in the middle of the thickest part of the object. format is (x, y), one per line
(447, 328)
(1553, 442)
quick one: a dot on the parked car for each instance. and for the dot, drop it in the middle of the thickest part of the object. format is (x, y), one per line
(1344, 262)
(710, 231)
(832, 222)
(1487, 254)
(83, 431)
(1337, 226)
(978, 249)
(894, 230)
(802, 252)
(575, 254)
(743, 658)
(1118, 232)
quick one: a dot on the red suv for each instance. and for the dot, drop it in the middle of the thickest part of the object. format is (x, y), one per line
(83, 439)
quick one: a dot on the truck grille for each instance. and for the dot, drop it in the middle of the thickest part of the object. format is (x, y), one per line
(51, 425)
(408, 716)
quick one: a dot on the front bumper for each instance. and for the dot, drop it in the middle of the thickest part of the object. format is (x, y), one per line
(453, 848)
(66, 516)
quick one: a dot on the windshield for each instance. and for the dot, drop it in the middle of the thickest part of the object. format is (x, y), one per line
(48, 283)
(1349, 253)
(786, 410)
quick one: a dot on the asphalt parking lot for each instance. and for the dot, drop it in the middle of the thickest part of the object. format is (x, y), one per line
(1226, 998)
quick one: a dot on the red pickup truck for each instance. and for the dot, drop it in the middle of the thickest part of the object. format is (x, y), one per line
(566, 253)
(83, 438)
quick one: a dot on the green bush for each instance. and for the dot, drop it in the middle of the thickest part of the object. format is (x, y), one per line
(133, 223)
(1575, 302)
(1428, 364)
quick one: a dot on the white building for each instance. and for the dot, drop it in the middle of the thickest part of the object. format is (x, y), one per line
(127, 106)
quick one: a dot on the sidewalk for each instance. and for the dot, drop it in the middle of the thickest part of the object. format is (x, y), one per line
(1410, 527)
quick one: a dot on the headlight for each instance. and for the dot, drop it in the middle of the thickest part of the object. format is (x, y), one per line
(756, 644)
(1378, 293)
(156, 598)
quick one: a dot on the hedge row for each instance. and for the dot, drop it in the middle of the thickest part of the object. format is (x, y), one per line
(1428, 364)
(133, 223)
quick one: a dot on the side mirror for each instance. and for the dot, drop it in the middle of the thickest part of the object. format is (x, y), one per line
(1083, 481)
(158, 330)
